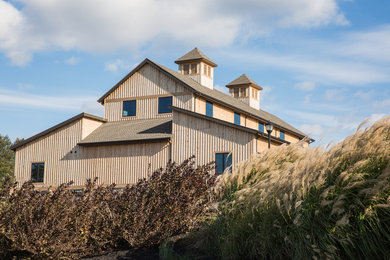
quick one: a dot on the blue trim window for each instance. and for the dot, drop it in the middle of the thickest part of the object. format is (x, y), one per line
(261, 127)
(209, 109)
(223, 161)
(282, 135)
(237, 118)
(129, 108)
(163, 105)
(37, 171)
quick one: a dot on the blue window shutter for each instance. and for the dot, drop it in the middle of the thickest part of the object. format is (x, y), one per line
(261, 127)
(237, 118)
(209, 109)
(163, 105)
(282, 135)
(129, 108)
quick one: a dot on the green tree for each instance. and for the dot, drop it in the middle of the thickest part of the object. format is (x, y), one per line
(7, 157)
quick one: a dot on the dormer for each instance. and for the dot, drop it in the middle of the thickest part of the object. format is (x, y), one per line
(197, 66)
(246, 90)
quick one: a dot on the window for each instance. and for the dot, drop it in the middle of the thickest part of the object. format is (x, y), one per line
(255, 93)
(223, 161)
(194, 68)
(186, 69)
(282, 135)
(237, 118)
(209, 109)
(261, 127)
(163, 105)
(129, 108)
(205, 69)
(242, 92)
(236, 92)
(37, 170)
(209, 71)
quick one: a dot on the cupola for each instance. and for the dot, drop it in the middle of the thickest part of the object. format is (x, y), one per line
(197, 66)
(246, 90)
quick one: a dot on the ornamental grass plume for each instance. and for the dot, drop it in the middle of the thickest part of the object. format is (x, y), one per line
(296, 202)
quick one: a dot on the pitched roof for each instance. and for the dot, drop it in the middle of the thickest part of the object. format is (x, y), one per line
(243, 80)
(79, 116)
(193, 55)
(211, 94)
(226, 123)
(130, 131)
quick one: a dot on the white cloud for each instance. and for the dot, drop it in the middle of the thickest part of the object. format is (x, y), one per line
(222, 89)
(382, 104)
(364, 94)
(107, 26)
(21, 99)
(305, 85)
(72, 60)
(307, 99)
(334, 95)
(375, 117)
(116, 65)
(313, 130)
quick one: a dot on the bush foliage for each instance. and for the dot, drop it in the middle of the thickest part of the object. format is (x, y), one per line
(307, 203)
(65, 224)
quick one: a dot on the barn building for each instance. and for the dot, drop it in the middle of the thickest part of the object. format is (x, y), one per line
(153, 115)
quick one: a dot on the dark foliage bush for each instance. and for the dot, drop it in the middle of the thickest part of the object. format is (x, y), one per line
(64, 224)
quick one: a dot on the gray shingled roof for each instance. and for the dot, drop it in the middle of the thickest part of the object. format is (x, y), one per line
(229, 101)
(128, 131)
(195, 54)
(243, 80)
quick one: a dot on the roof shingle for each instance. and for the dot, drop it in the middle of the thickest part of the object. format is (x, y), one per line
(195, 54)
(243, 80)
(128, 131)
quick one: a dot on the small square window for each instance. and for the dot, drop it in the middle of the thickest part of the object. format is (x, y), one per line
(37, 171)
(163, 105)
(236, 92)
(237, 118)
(242, 92)
(129, 108)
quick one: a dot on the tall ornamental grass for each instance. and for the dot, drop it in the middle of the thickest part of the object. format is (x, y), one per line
(307, 203)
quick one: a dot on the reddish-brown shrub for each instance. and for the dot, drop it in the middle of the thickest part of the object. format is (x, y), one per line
(61, 223)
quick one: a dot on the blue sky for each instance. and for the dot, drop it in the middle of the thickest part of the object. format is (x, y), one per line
(324, 65)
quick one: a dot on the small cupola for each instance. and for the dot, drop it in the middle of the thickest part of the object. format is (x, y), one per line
(197, 66)
(246, 90)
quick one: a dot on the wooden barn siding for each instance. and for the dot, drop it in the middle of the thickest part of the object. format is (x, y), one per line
(202, 138)
(121, 164)
(146, 86)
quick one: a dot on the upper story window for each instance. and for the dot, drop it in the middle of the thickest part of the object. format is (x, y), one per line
(206, 70)
(255, 93)
(186, 69)
(237, 118)
(222, 161)
(261, 127)
(236, 92)
(129, 108)
(282, 135)
(242, 92)
(37, 171)
(194, 68)
(163, 105)
(209, 109)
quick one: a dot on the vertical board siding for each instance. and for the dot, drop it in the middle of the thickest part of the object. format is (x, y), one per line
(202, 138)
(66, 161)
(148, 81)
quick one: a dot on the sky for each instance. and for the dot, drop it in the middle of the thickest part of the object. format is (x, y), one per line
(324, 65)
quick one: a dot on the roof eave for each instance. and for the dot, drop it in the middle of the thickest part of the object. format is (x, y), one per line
(148, 140)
